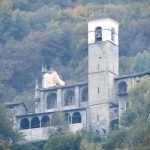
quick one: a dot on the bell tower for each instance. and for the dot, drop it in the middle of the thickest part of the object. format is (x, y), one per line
(103, 64)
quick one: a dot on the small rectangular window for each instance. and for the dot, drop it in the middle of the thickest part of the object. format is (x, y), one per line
(97, 117)
(98, 90)
(127, 104)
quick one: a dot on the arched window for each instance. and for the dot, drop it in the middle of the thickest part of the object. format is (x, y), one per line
(67, 118)
(84, 95)
(122, 87)
(114, 124)
(52, 101)
(69, 98)
(76, 118)
(98, 34)
(45, 121)
(24, 124)
(35, 122)
(113, 34)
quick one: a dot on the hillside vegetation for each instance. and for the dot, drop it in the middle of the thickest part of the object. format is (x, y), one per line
(54, 33)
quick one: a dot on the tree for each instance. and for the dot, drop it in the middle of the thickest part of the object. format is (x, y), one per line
(139, 98)
(138, 136)
(66, 141)
(116, 139)
(36, 145)
(85, 145)
(128, 117)
(7, 133)
(60, 124)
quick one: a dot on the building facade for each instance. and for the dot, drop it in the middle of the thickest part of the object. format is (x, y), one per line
(93, 105)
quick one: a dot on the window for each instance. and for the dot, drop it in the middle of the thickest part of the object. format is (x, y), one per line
(67, 118)
(69, 98)
(52, 101)
(97, 117)
(114, 124)
(24, 124)
(122, 87)
(98, 34)
(127, 104)
(84, 94)
(45, 121)
(76, 118)
(35, 122)
(113, 34)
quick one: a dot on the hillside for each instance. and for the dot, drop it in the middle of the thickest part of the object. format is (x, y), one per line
(54, 33)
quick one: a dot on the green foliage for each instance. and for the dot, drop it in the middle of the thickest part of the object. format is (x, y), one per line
(128, 117)
(7, 133)
(116, 139)
(134, 134)
(135, 64)
(91, 136)
(139, 98)
(64, 142)
(55, 33)
(138, 136)
(4, 146)
(38, 145)
(85, 145)
(60, 124)
(134, 138)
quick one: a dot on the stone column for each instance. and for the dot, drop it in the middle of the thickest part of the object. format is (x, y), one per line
(59, 99)
(77, 96)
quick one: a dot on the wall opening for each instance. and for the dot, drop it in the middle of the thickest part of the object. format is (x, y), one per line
(67, 118)
(24, 124)
(114, 124)
(69, 98)
(35, 122)
(84, 95)
(76, 118)
(98, 34)
(45, 121)
(52, 101)
(122, 87)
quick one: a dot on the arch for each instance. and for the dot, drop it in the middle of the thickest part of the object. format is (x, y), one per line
(114, 124)
(35, 122)
(52, 101)
(69, 98)
(45, 121)
(24, 124)
(98, 34)
(113, 34)
(76, 118)
(122, 87)
(67, 118)
(84, 94)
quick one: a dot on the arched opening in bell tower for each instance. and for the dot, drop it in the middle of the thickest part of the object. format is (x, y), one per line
(98, 34)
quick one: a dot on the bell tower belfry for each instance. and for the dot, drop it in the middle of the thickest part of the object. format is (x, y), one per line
(103, 64)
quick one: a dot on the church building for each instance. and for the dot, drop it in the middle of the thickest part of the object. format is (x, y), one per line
(93, 105)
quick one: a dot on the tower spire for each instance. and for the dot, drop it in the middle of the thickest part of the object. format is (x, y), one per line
(36, 95)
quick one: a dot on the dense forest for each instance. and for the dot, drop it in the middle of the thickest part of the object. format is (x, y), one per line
(54, 33)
